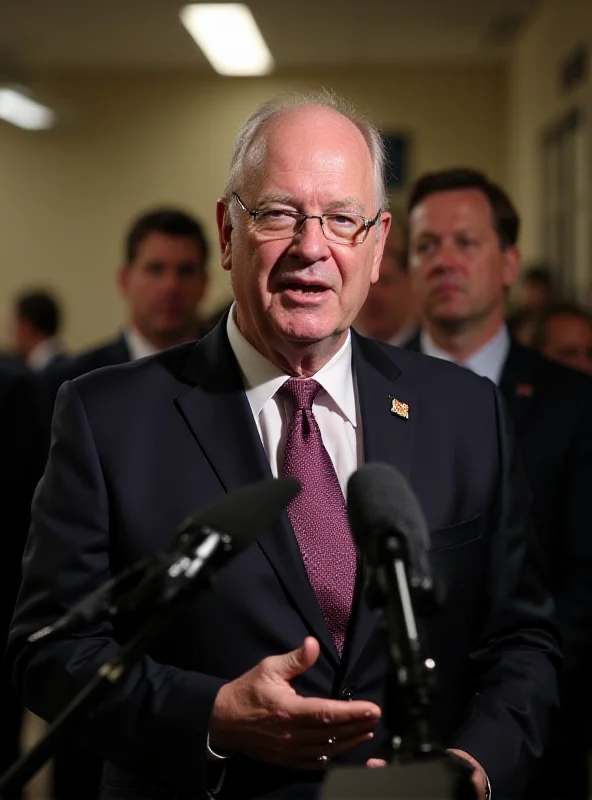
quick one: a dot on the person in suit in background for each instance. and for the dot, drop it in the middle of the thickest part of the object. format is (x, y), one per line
(463, 257)
(280, 667)
(21, 465)
(564, 333)
(163, 280)
(389, 311)
(36, 325)
(536, 288)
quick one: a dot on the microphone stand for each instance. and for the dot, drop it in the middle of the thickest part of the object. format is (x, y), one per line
(412, 688)
(417, 765)
(168, 584)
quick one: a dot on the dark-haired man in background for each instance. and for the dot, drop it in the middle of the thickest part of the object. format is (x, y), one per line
(35, 330)
(564, 333)
(463, 257)
(536, 288)
(163, 280)
(389, 311)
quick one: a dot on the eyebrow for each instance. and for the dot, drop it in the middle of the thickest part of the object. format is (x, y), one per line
(345, 204)
(457, 232)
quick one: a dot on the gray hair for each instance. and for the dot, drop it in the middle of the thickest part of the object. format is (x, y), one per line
(248, 145)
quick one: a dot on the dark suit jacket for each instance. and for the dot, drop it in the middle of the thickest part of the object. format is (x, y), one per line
(21, 465)
(105, 355)
(551, 407)
(138, 447)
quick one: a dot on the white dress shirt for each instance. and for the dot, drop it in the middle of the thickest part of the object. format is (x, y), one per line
(336, 407)
(42, 354)
(137, 344)
(488, 361)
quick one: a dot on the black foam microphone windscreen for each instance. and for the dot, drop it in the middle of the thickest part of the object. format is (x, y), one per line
(380, 502)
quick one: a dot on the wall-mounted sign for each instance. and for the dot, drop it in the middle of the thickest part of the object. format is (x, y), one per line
(397, 152)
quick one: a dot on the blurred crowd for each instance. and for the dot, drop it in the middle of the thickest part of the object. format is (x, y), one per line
(452, 286)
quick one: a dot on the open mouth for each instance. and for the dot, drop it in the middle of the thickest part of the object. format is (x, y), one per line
(304, 288)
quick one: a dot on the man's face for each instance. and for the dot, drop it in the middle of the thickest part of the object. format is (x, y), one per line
(23, 337)
(458, 266)
(390, 303)
(568, 339)
(304, 289)
(163, 285)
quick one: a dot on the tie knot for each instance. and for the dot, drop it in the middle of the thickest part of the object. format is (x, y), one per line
(301, 391)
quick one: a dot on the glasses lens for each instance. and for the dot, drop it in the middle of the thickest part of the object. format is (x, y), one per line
(276, 223)
(346, 228)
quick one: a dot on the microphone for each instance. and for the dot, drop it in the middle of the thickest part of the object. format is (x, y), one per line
(381, 504)
(203, 543)
(391, 533)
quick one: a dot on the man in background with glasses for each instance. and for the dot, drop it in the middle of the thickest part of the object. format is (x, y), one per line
(280, 669)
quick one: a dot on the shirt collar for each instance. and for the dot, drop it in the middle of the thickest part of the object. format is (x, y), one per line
(138, 345)
(488, 361)
(42, 353)
(262, 379)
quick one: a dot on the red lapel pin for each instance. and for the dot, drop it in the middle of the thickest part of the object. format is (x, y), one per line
(524, 390)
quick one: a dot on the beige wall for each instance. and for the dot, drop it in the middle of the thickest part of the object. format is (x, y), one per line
(535, 101)
(128, 142)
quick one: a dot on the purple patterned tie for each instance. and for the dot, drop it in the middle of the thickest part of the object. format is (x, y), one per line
(318, 513)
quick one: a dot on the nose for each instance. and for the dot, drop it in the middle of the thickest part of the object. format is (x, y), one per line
(447, 258)
(170, 281)
(310, 243)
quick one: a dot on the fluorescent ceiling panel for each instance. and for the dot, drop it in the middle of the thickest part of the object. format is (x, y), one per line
(23, 111)
(229, 37)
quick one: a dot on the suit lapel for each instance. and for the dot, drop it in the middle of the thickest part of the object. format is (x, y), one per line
(388, 438)
(217, 411)
(518, 384)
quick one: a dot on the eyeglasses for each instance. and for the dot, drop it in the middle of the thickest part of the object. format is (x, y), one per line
(343, 227)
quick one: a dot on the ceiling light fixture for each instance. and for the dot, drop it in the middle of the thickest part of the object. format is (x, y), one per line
(21, 110)
(229, 37)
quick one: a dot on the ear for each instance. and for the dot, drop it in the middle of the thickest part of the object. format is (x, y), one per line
(511, 265)
(205, 282)
(123, 279)
(224, 233)
(379, 246)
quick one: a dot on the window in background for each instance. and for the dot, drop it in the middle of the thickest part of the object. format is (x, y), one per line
(566, 204)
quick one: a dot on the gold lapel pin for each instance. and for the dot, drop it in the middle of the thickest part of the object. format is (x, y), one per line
(399, 408)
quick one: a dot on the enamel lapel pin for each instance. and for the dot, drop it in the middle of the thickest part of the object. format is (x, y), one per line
(399, 409)
(524, 390)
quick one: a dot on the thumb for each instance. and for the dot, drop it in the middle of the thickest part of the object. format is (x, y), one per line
(289, 665)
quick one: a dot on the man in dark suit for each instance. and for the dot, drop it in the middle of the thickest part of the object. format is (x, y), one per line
(20, 467)
(463, 257)
(36, 325)
(389, 311)
(280, 667)
(163, 280)
(563, 332)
